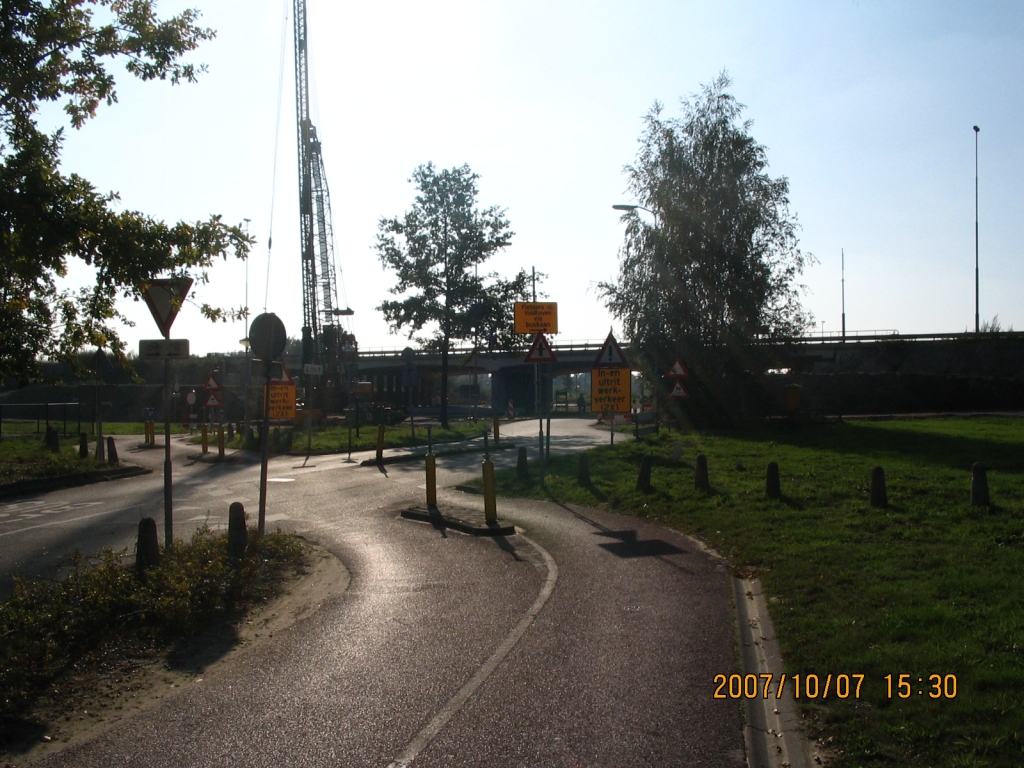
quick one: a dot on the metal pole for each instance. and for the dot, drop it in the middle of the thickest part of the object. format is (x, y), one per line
(264, 450)
(843, 267)
(977, 324)
(168, 501)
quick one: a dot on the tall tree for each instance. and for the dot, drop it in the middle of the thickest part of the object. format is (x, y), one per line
(435, 250)
(717, 267)
(55, 50)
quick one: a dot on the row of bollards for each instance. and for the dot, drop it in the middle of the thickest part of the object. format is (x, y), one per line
(773, 482)
(106, 448)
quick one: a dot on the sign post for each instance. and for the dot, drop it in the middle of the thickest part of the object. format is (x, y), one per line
(164, 298)
(268, 338)
(610, 381)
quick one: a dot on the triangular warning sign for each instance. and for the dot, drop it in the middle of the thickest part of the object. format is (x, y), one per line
(541, 351)
(679, 392)
(164, 298)
(611, 355)
(213, 401)
(211, 383)
(284, 377)
(678, 370)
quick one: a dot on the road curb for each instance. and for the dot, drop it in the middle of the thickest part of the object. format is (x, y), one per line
(772, 730)
(41, 485)
(447, 520)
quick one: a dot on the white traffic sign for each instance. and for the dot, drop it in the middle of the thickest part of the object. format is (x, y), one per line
(213, 401)
(541, 351)
(190, 398)
(311, 369)
(611, 355)
(211, 383)
(678, 370)
(163, 349)
(164, 298)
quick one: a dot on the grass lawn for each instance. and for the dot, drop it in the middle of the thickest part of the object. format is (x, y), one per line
(928, 586)
(25, 428)
(336, 439)
(25, 458)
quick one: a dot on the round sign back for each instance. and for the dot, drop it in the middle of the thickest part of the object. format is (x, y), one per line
(267, 336)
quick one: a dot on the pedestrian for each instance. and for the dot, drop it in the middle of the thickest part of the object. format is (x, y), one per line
(581, 404)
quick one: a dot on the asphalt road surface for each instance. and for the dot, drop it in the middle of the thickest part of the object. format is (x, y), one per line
(588, 639)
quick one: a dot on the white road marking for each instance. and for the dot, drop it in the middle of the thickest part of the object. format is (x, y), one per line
(72, 520)
(431, 729)
(280, 479)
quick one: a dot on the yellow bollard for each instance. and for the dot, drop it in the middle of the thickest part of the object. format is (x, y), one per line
(380, 443)
(206, 440)
(152, 432)
(220, 441)
(431, 480)
(497, 419)
(490, 502)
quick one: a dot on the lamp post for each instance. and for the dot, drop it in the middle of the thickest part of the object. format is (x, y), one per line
(977, 324)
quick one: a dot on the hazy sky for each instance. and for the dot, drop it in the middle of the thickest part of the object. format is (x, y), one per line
(867, 107)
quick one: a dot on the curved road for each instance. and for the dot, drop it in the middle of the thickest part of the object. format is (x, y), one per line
(589, 639)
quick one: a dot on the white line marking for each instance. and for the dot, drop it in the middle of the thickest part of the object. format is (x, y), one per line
(431, 729)
(73, 519)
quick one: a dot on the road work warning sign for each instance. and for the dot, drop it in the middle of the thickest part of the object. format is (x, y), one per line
(610, 390)
(282, 401)
(536, 316)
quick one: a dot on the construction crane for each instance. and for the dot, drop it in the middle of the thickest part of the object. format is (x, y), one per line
(324, 341)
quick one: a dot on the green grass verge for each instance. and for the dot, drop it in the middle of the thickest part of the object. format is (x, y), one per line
(930, 585)
(49, 629)
(26, 458)
(336, 439)
(22, 428)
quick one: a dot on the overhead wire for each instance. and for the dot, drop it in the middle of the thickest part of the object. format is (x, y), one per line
(277, 142)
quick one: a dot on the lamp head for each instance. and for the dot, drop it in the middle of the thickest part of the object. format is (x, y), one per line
(976, 129)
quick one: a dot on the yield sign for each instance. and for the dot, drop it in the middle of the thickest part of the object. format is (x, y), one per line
(211, 383)
(164, 298)
(541, 351)
(678, 370)
(611, 355)
(679, 392)
(213, 401)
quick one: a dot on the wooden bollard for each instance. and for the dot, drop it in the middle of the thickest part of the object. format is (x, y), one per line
(100, 452)
(111, 451)
(206, 438)
(772, 484)
(52, 440)
(496, 420)
(979, 485)
(643, 479)
(431, 480)
(83, 445)
(220, 441)
(700, 480)
(238, 534)
(583, 469)
(147, 548)
(380, 443)
(879, 498)
(521, 469)
(490, 494)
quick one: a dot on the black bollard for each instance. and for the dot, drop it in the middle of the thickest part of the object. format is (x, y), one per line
(83, 445)
(111, 451)
(147, 549)
(979, 485)
(700, 480)
(521, 469)
(772, 484)
(878, 495)
(643, 479)
(238, 535)
(583, 470)
(52, 440)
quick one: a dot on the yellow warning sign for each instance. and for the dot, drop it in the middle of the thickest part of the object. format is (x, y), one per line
(610, 390)
(282, 401)
(536, 316)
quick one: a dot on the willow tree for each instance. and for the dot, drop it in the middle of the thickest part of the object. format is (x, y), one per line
(714, 263)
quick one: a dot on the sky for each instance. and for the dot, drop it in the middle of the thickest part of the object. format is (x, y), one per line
(866, 106)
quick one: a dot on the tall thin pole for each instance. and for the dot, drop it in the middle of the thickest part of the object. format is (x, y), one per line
(842, 262)
(977, 324)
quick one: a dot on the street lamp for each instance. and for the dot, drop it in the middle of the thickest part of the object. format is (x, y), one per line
(627, 207)
(977, 325)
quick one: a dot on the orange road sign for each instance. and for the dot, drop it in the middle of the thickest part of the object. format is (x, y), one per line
(535, 316)
(610, 390)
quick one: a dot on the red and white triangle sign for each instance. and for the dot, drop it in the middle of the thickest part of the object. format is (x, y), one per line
(678, 370)
(164, 298)
(213, 401)
(679, 391)
(541, 351)
(611, 355)
(211, 383)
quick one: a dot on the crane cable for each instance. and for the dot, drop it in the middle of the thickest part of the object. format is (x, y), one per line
(277, 141)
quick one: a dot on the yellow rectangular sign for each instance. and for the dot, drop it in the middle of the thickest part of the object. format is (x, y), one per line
(536, 316)
(610, 390)
(282, 401)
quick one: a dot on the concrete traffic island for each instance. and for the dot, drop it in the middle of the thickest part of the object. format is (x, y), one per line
(469, 521)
